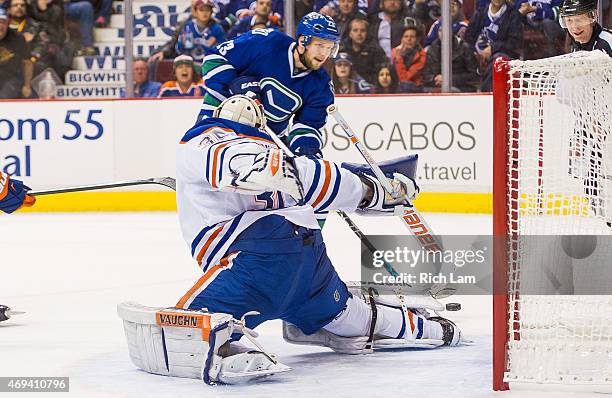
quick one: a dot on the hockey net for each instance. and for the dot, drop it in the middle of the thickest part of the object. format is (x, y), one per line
(552, 179)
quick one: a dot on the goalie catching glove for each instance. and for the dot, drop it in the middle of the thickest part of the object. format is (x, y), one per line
(401, 174)
(269, 171)
(376, 199)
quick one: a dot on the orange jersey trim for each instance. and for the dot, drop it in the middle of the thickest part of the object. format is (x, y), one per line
(207, 275)
(325, 184)
(208, 243)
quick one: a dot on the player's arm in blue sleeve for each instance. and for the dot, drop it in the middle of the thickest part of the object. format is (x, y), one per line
(305, 137)
(222, 65)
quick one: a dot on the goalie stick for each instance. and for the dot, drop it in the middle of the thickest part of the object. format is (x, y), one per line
(165, 181)
(408, 214)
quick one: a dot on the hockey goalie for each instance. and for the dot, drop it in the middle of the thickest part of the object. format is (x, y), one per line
(247, 212)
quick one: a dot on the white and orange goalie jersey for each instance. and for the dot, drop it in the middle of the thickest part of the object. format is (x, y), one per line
(212, 216)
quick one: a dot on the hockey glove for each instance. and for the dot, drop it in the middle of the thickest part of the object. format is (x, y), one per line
(13, 194)
(377, 200)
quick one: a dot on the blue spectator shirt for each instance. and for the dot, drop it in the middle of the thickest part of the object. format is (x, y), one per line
(195, 42)
(458, 29)
(148, 89)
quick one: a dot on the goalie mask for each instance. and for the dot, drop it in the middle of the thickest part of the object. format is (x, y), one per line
(241, 109)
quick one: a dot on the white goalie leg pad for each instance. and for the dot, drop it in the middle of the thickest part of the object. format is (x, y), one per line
(420, 329)
(186, 343)
(396, 326)
(323, 338)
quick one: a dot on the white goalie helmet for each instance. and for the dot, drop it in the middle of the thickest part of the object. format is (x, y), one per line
(241, 109)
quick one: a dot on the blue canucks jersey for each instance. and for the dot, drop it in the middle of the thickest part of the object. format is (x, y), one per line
(194, 42)
(267, 56)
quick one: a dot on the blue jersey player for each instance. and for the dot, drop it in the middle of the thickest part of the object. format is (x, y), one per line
(288, 72)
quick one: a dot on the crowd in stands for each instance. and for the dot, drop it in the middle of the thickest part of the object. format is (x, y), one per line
(387, 46)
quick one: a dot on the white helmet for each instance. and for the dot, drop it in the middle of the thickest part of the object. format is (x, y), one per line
(242, 109)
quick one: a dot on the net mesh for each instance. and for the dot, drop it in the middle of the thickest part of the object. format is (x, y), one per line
(559, 183)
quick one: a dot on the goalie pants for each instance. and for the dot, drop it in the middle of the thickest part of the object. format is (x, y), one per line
(276, 268)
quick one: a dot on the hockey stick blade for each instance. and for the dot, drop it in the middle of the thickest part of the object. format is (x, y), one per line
(168, 182)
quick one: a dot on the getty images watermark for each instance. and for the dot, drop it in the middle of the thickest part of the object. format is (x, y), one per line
(462, 262)
(539, 264)
(404, 257)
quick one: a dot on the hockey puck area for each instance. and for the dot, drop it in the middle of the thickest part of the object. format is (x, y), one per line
(6, 312)
(453, 306)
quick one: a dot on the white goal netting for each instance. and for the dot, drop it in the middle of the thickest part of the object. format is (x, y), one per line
(559, 184)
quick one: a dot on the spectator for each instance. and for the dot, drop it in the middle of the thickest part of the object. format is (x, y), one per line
(333, 7)
(495, 31)
(366, 54)
(15, 65)
(345, 80)
(460, 23)
(21, 23)
(82, 11)
(542, 15)
(186, 83)
(168, 51)
(409, 59)
(4, 4)
(386, 26)
(143, 87)
(347, 11)
(201, 32)
(387, 81)
(262, 15)
(51, 49)
(464, 66)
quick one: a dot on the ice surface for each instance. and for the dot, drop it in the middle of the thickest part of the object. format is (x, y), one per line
(68, 272)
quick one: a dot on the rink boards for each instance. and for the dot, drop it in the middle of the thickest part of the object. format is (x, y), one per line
(67, 143)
